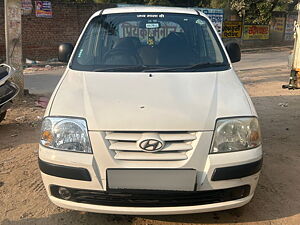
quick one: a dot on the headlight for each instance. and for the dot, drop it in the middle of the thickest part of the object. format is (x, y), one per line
(236, 134)
(66, 134)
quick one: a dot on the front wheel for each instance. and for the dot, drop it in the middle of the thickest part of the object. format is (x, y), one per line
(2, 116)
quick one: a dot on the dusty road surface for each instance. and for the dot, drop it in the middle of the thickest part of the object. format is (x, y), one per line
(277, 201)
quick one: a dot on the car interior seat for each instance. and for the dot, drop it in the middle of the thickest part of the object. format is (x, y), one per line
(174, 50)
(124, 52)
(148, 54)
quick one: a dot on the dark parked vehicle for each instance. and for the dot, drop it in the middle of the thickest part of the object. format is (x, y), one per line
(8, 90)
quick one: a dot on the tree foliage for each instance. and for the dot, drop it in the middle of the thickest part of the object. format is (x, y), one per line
(260, 11)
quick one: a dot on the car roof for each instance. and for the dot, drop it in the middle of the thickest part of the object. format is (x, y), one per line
(148, 9)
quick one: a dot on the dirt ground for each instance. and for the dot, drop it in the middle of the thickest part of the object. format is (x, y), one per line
(23, 199)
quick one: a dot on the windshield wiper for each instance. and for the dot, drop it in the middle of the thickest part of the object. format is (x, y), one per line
(122, 69)
(188, 68)
(143, 68)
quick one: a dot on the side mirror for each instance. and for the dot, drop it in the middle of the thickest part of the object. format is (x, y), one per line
(234, 51)
(64, 52)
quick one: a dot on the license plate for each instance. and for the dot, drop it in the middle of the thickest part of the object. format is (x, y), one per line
(152, 179)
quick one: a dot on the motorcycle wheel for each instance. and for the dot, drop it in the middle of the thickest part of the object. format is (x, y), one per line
(2, 116)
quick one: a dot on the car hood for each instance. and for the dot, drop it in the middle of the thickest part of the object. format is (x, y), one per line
(156, 102)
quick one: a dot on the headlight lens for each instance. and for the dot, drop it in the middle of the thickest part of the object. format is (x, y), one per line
(236, 134)
(66, 134)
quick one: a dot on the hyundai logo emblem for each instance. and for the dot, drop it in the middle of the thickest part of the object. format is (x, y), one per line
(151, 145)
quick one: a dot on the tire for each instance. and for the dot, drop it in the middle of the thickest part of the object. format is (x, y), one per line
(2, 116)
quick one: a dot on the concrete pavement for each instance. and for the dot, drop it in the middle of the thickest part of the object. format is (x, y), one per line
(259, 60)
(43, 82)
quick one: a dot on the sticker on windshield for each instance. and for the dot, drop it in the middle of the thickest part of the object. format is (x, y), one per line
(80, 53)
(201, 22)
(152, 25)
(150, 16)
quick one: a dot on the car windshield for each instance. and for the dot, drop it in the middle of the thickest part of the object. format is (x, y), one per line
(132, 42)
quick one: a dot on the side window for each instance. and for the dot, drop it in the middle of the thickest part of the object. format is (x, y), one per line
(107, 39)
(88, 50)
(209, 45)
(199, 43)
(213, 51)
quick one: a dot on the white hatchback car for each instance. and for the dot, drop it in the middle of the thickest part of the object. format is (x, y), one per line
(150, 118)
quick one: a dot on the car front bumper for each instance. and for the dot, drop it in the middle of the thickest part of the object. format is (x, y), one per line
(56, 167)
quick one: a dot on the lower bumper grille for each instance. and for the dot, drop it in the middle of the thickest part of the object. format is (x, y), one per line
(143, 198)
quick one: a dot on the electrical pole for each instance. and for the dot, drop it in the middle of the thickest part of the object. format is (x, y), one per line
(13, 40)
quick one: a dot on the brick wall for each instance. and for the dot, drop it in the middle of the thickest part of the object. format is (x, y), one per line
(41, 36)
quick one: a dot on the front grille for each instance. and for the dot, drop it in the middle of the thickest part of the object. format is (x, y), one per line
(139, 198)
(125, 147)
